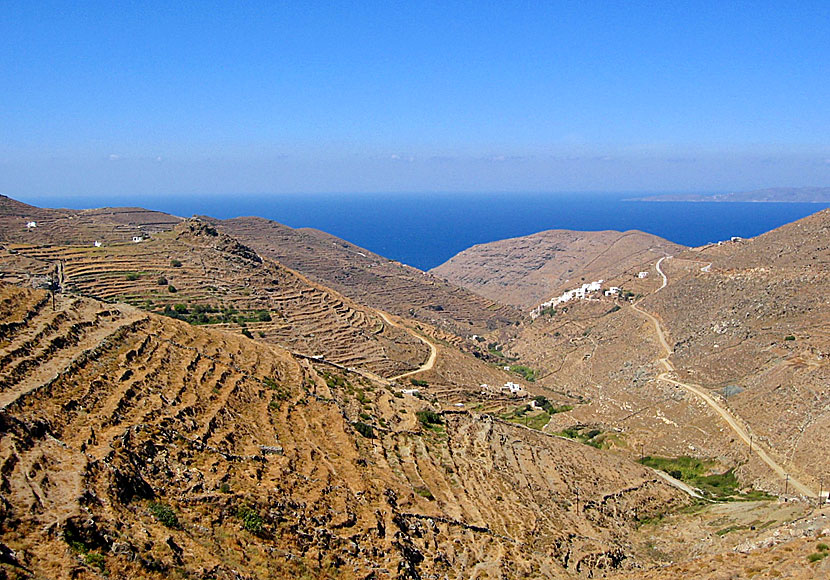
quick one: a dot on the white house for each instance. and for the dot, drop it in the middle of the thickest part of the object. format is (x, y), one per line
(514, 388)
(580, 293)
(137, 239)
(97, 244)
(410, 391)
(613, 291)
(30, 225)
(642, 275)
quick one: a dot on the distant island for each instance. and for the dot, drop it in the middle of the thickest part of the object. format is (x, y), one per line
(773, 194)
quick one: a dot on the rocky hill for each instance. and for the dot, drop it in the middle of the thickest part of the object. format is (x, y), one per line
(134, 445)
(744, 322)
(372, 279)
(188, 406)
(195, 273)
(526, 271)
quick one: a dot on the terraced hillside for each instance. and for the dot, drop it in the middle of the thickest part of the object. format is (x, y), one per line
(529, 270)
(372, 279)
(195, 273)
(78, 227)
(134, 445)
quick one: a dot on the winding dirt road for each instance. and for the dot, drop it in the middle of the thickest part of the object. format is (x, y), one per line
(700, 392)
(433, 350)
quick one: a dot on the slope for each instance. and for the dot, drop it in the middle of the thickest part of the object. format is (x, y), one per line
(372, 279)
(152, 448)
(526, 271)
(195, 273)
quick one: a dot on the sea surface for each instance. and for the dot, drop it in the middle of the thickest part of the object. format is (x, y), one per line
(425, 230)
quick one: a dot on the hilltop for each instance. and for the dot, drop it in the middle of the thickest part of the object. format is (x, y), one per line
(528, 270)
(78, 226)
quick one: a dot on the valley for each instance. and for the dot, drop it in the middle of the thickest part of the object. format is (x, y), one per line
(239, 399)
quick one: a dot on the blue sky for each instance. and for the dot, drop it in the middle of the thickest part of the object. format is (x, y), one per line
(157, 98)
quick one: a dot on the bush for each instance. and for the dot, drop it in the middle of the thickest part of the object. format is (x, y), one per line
(162, 281)
(225, 488)
(251, 520)
(264, 316)
(164, 514)
(428, 418)
(366, 430)
(246, 332)
(419, 383)
(789, 337)
(424, 492)
(528, 373)
(132, 277)
(172, 289)
(176, 263)
(180, 308)
(816, 556)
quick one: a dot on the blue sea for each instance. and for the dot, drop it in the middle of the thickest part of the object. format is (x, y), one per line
(425, 230)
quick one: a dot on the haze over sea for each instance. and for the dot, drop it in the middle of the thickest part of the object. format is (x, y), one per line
(426, 229)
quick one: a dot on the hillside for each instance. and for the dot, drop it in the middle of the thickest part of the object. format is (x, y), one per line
(526, 271)
(78, 227)
(139, 446)
(744, 322)
(196, 273)
(372, 279)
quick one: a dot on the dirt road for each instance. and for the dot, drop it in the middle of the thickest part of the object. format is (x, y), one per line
(703, 394)
(433, 350)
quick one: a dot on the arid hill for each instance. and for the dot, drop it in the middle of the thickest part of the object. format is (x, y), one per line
(372, 279)
(527, 271)
(268, 426)
(744, 321)
(199, 274)
(134, 445)
(78, 227)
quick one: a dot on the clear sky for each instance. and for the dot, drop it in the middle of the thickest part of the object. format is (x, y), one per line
(155, 98)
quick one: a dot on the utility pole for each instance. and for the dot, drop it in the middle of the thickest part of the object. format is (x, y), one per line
(642, 451)
(820, 491)
(750, 445)
(577, 500)
(786, 482)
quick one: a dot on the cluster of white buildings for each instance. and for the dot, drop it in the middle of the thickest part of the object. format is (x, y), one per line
(509, 387)
(580, 293)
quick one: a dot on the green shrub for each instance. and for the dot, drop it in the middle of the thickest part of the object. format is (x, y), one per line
(264, 316)
(132, 277)
(176, 263)
(822, 547)
(164, 514)
(816, 556)
(171, 289)
(225, 488)
(528, 373)
(424, 492)
(419, 383)
(251, 520)
(162, 281)
(364, 429)
(97, 560)
(180, 308)
(429, 418)
(789, 337)
(246, 332)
